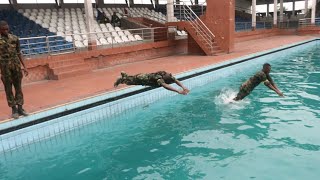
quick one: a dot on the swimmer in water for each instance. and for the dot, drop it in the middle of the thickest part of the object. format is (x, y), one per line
(254, 81)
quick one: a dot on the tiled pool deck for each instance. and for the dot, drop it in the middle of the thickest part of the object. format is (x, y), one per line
(48, 94)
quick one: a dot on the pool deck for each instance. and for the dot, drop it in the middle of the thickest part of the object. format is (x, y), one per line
(47, 94)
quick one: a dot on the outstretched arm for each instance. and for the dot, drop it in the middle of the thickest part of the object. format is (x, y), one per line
(272, 82)
(182, 86)
(270, 86)
(170, 88)
(21, 59)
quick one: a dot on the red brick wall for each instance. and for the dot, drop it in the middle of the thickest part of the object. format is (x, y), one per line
(112, 57)
(249, 35)
(309, 30)
(220, 19)
(193, 47)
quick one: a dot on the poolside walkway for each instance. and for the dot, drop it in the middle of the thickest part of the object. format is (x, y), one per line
(45, 94)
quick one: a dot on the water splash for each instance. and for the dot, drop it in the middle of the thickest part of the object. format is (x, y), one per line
(226, 96)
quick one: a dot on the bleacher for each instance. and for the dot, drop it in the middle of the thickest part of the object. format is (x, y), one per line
(71, 24)
(44, 31)
(24, 28)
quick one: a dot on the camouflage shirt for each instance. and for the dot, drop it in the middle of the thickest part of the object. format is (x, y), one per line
(255, 80)
(9, 51)
(153, 79)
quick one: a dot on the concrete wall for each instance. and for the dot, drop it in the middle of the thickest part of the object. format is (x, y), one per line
(262, 33)
(309, 30)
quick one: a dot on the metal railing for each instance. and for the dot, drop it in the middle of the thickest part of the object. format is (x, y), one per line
(288, 24)
(307, 22)
(247, 26)
(201, 6)
(69, 43)
(187, 14)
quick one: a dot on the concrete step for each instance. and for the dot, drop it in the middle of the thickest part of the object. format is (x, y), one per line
(217, 52)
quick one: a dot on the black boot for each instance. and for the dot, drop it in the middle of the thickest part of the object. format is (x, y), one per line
(15, 113)
(119, 81)
(21, 111)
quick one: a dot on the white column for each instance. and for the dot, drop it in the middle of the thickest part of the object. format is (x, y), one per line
(281, 10)
(268, 9)
(313, 14)
(306, 8)
(170, 11)
(275, 13)
(254, 14)
(293, 8)
(89, 19)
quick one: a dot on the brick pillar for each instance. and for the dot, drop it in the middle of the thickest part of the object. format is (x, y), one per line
(219, 18)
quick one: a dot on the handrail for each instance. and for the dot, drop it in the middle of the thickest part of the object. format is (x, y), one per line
(307, 22)
(200, 30)
(196, 23)
(200, 20)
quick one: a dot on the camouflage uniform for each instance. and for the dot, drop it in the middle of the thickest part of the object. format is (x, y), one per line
(11, 73)
(253, 82)
(150, 79)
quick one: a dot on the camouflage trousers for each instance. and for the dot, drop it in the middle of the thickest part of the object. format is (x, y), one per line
(12, 76)
(242, 93)
(139, 79)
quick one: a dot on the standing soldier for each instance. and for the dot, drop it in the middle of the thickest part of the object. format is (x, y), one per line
(10, 66)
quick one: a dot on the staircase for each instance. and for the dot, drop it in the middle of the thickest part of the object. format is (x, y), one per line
(61, 69)
(197, 29)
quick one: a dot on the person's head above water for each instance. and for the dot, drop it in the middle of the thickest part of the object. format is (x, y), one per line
(168, 78)
(266, 68)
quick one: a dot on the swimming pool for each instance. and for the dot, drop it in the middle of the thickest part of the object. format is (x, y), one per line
(198, 136)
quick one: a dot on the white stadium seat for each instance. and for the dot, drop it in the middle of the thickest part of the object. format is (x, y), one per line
(114, 34)
(120, 33)
(69, 38)
(138, 37)
(125, 39)
(131, 38)
(118, 39)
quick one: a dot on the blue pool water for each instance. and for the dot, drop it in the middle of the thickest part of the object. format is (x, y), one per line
(199, 136)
